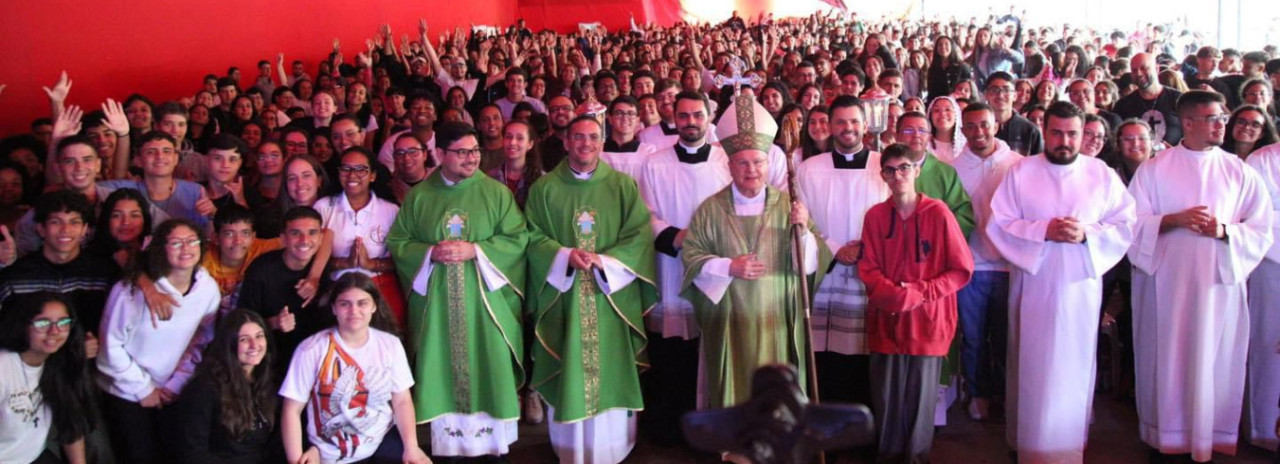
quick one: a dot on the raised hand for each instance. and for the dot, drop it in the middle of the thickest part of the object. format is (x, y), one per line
(90, 345)
(67, 123)
(422, 26)
(60, 89)
(336, 45)
(280, 59)
(284, 322)
(116, 119)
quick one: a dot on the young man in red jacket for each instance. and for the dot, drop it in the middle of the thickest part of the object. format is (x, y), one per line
(914, 260)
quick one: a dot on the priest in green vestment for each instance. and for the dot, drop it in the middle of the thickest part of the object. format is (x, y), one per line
(591, 274)
(459, 248)
(740, 270)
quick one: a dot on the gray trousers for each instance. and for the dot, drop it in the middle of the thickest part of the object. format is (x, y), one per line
(904, 392)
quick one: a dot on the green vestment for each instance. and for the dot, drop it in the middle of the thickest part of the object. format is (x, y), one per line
(466, 340)
(939, 180)
(590, 347)
(756, 322)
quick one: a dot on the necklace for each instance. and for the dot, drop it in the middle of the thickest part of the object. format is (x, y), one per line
(755, 245)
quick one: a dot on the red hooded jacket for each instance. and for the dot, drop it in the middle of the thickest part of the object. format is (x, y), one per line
(913, 268)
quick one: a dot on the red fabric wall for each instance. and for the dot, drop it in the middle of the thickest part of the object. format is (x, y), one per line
(163, 48)
(564, 15)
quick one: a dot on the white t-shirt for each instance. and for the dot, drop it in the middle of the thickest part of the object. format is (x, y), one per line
(24, 419)
(332, 378)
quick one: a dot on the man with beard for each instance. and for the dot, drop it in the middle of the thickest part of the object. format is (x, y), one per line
(665, 132)
(422, 120)
(674, 181)
(1204, 223)
(1061, 220)
(1152, 102)
(552, 149)
(1021, 134)
(839, 187)
(622, 150)
(458, 244)
(590, 281)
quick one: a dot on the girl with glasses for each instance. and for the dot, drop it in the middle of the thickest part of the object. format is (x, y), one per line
(145, 363)
(44, 377)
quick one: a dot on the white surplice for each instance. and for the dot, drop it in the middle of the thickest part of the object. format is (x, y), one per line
(629, 162)
(1264, 314)
(605, 438)
(1055, 296)
(1190, 321)
(838, 199)
(673, 190)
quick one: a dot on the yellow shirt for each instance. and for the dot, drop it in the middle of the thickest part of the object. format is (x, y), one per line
(229, 278)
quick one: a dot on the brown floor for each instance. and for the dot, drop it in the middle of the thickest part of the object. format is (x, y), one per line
(1113, 439)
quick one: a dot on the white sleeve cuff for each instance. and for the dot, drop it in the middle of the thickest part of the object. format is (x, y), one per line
(560, 276)
(810, 252)
(714, 279)
(423, 278)
(616, 276)
(492, 276)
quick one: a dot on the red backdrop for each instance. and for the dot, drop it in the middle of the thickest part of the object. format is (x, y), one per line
(163, 48)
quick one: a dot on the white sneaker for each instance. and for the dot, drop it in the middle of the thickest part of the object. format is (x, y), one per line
(978, 409)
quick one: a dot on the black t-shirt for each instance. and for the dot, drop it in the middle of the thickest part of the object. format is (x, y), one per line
(1160, 113)
(1022, 135)
(269, 286)
(195, 426)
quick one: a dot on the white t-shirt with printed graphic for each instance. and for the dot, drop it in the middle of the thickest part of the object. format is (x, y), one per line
(24, 419)
(347, 391)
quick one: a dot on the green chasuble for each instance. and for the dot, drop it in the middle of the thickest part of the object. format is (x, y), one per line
(590, 346)
(466, 339)
(756, 322)
(939, 180)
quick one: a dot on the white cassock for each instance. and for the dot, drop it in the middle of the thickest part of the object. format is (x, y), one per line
(673, 190)
(1190, 321)
(1055, 296)
(628, 159)
(1264, 314)
(664, 136)
(838, 192)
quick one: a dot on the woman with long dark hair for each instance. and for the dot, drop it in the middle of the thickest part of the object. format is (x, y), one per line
(45, 380)
(145, 365)
(353, 379)
(124, 223)
(522, 163)
(228, 412)
(946, 69)
(1249, 129)
(815, 136)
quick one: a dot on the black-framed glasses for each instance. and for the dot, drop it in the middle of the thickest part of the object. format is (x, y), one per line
(890, 171)
(406, 152)
(626, 114)
(465, 152)
(358, 171)
(1210, 119)
(44, 325)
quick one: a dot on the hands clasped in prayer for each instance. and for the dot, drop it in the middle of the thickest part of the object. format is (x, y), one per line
(1196, 219)
(1065, 229)
(453, 251)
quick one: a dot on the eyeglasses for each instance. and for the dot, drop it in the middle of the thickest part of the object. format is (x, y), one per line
(270, 156)
(1095, 135)
(1249, 124)
(177, 244)
(406, 152)
(913, 131)
(302, 145)
(1001, 90)
(585, 137)
(626, 114)
(465, 152)
(891, 171)
(44, 325)
(358, 171)
(1135, 138)
(1210, 119)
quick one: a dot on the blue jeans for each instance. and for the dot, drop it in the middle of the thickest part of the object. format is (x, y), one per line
(983, 305)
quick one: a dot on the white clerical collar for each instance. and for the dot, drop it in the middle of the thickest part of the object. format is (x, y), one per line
(691, 150)
(582, 175)
(447, 181)
(849, 156)
(740, 199)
